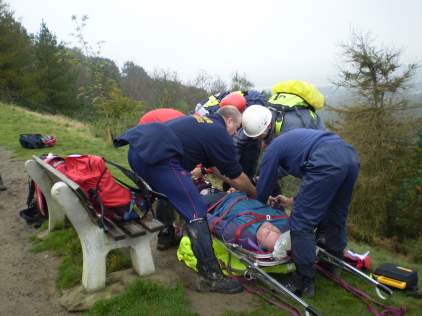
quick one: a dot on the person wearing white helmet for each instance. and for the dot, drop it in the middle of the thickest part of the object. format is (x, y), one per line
(256, 121)
(293, 104)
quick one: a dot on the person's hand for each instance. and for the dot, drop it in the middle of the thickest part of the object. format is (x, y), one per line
(284, 201)
(196, 173)
(272, 201)
(231, 190)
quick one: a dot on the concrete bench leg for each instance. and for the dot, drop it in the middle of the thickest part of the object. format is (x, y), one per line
(94, 268)
(141, 256)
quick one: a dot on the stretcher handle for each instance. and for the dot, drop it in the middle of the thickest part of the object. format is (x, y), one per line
(311, 311)
(385, 289)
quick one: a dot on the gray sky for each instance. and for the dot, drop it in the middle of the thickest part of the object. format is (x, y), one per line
(267, 40)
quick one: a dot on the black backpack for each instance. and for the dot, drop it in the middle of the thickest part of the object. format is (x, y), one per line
(33, 141)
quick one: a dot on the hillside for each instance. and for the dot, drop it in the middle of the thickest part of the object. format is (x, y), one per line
(74, 137)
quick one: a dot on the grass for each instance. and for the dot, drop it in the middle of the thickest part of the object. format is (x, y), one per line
(145, 298)
(142, 298)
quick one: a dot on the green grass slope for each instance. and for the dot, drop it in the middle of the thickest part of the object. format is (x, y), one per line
(144, 298)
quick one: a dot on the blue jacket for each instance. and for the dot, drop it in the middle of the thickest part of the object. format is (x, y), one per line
(190, 139)
(289, 151)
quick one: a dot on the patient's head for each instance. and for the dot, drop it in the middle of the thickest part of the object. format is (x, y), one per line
(267, 235)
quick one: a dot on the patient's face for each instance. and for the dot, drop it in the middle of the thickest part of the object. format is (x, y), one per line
(267, 235)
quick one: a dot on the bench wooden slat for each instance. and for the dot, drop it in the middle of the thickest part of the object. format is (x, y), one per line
(151, 224)
(132, 228)
(114, 231)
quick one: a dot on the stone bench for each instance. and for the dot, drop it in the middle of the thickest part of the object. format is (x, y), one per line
(66, 199)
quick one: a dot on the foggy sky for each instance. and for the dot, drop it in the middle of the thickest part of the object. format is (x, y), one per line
(267, 40)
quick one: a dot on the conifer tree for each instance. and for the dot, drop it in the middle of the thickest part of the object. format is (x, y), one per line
(377, 126)
(16, 56)
(56, 74)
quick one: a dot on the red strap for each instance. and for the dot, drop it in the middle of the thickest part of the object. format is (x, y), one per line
(216, 203)
(387, 310)
(258, 218)
(227, 211)
(269, 296)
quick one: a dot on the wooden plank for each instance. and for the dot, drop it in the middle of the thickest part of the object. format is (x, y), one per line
(114, 231)
(132, 228)
(151, 224)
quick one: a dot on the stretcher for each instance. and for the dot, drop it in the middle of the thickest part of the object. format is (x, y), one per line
(257, 264)
(255, 270)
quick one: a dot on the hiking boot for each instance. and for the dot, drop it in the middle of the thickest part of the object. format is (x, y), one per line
(167, 239)
(2, 186)
(299, 286)
(211, 278)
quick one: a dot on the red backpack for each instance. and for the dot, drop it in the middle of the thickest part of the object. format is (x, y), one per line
(113, 200)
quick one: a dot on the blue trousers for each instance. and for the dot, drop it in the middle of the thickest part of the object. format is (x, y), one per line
(169, 177)
(322, 202)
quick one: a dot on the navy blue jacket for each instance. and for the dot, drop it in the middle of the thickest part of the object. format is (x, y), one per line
(289, 151)
(191, 139)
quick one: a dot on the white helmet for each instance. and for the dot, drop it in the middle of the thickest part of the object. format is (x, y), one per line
(255, 120)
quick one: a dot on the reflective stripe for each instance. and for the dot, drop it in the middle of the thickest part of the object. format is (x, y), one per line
(287, 100)
(278, 125)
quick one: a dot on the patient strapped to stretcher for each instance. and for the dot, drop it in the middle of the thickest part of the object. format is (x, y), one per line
(235, 218)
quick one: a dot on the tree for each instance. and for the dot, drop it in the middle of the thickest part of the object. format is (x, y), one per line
(240, 82)
(55, 72)
(17, 80)
(116, 112)
(135, 82)
(211, 84)
(167, 88)
(378, 128)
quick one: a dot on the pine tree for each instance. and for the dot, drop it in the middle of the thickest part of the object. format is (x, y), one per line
(378, 128)
(16, 60)
(56, 73)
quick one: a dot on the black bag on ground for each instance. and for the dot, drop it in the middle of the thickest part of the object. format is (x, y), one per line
(397, 277)
(31, 141)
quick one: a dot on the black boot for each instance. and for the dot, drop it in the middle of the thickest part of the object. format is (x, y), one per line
(166, 237)
(211, 278)
(2, 186)
(299, 285)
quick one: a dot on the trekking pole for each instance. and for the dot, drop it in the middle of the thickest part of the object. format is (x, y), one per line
(347, 267)
(254, 271)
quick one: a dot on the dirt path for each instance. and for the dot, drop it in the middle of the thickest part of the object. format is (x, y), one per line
(27, 279)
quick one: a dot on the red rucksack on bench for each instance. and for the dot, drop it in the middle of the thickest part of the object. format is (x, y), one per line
(109, 198)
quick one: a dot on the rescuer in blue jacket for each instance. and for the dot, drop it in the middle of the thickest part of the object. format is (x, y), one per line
(328, 167)
(164, 153)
